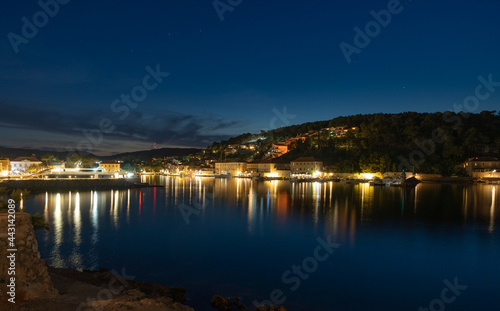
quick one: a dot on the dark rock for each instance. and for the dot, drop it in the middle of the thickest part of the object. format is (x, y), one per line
(103, 278)
(220, 303)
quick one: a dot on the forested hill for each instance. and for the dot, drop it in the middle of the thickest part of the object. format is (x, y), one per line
(427, 142)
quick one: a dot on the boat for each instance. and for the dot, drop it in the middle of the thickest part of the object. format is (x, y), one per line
(222, 175)
(396, 182)
(388, 181)
(377, 182)
(351, 181)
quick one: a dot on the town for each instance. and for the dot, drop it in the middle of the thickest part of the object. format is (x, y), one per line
(254, 156)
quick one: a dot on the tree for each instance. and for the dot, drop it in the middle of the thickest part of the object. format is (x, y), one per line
(74, 160)
(48, 158)
(33, 168)
(89, 161)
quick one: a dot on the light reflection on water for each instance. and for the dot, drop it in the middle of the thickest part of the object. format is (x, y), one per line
(492, 211)
(143, 228)
(309, 201)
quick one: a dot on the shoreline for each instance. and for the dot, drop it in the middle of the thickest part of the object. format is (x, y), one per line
(116, 291)
(41, 185)
(38, 185)
(104, 290)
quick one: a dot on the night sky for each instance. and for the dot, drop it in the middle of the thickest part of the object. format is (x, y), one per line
(230, 76)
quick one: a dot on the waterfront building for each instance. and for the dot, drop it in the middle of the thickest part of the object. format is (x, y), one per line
(22, 164)
(231, 166)
(482, 164)
(110, 166)
(4, 166)
(306, 166)
(482, 167)
(269, 168)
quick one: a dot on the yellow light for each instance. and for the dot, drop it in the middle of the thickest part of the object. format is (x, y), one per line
(316, 174)
(368, 176)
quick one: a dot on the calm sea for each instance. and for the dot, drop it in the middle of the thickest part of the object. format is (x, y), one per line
(436, 246)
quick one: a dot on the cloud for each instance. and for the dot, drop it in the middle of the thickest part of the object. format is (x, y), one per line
(167, 128)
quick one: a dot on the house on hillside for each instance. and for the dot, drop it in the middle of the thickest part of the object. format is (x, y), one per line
(342, 130)
(280, 149)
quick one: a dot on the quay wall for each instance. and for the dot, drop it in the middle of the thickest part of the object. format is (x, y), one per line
(486, 175)
(36, 185)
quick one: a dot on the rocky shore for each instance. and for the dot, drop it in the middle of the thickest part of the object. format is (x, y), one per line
(102, 290)
(105, 291)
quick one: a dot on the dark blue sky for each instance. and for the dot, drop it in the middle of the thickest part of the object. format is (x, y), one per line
(226, 77)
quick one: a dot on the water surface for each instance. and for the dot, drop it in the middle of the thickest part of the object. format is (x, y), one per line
(238, 237)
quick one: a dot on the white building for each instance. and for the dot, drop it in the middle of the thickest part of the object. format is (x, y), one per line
(22, 164)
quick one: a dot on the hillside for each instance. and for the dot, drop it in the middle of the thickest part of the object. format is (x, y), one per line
(424, 142)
